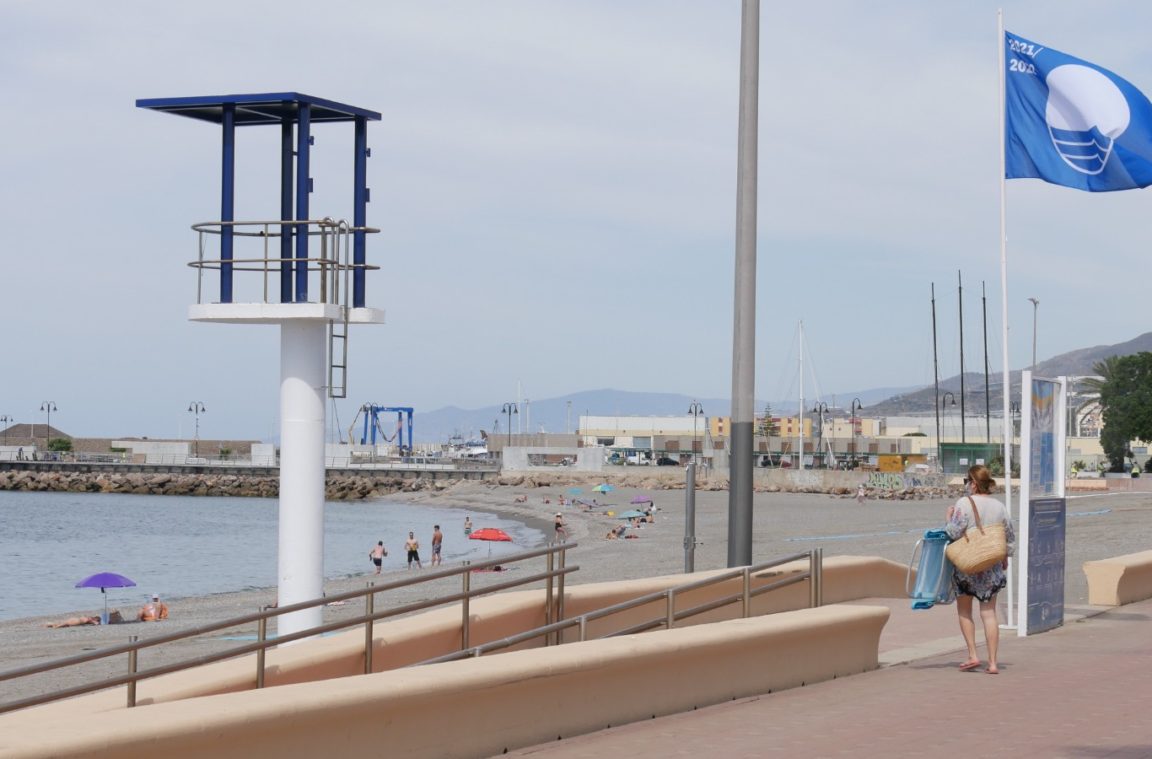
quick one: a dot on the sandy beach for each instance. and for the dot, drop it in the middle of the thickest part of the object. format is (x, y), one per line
(784, 523)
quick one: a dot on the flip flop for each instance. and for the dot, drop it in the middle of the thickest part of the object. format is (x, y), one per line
(968, 665)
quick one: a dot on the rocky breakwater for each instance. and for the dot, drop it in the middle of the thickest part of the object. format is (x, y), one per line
(339, 487)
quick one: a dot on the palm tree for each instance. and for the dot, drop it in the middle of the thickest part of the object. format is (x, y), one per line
(1104, 369)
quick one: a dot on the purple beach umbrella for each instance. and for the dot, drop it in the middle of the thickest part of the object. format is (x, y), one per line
(104, 580)
(640, 499)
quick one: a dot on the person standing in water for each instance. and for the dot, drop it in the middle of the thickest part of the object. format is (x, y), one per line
(412, 546)
(377, 555)
(437, 542)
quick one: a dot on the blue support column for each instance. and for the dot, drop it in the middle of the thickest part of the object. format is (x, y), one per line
(360, 210)
(303, 182)
(227, 199)
(286, 210)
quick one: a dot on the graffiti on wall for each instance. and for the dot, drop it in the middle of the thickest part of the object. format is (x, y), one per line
(895, 481)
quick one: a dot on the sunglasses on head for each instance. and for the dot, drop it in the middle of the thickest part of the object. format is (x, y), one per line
(967, 480)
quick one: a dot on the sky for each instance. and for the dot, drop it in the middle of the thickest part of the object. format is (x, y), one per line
(555, 185)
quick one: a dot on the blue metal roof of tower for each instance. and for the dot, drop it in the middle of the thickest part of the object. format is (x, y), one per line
(295, 114)
(259, 108)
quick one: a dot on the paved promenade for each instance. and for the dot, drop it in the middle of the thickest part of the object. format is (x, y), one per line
(1082, 690)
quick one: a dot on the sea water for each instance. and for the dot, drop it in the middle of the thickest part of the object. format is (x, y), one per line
(178, 546)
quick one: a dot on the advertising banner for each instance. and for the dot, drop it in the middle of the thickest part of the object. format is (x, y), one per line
(1043, 510)
(1046, 519)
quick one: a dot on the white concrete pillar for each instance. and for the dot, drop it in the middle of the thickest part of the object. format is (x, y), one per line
(303, 371)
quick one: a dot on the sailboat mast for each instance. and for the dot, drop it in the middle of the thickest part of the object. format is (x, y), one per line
(960, 289)
(936, 382)
(800, 428)
(987, 397)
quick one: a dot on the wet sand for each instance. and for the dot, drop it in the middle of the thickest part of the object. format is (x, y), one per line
(784, 523)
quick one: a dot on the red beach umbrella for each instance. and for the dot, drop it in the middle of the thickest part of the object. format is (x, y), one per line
(492, 535)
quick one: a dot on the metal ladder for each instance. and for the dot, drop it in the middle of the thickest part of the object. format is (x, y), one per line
(338, 330)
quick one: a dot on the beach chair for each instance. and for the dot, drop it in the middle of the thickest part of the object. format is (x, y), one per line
(933, 572)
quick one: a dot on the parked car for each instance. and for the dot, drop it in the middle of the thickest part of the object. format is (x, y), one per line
(665, 461)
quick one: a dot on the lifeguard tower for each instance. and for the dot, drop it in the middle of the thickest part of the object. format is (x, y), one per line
(306, 275)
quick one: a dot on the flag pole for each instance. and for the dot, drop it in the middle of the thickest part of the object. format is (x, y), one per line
(1010, 620)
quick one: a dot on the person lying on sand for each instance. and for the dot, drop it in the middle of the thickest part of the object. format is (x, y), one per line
(74, 622)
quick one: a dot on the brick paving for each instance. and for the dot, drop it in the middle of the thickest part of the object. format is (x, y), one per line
(1082, 690)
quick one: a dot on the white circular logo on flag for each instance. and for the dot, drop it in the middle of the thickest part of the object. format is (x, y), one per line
(1086, 112)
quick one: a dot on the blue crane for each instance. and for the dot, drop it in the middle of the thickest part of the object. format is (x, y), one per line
(372, 414)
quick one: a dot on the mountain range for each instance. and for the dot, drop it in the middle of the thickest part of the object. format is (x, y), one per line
(562, 414)
(1076, 363)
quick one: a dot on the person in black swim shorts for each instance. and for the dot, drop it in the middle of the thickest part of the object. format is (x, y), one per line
(412, 546)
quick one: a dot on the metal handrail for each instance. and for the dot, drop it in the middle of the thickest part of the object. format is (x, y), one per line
(217, 227)
(263, 643)
(814, 575)
(335, 259)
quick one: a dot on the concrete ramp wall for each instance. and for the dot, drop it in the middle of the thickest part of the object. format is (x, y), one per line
(481, 707)
(402, 642)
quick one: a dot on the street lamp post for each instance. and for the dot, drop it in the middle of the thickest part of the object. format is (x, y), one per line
(196, 408)
(510, 409)
(944, 399)
(695, 410)
(47, 407)
(821, 409)
(1035, 306)
(5, 420)
(856, 406)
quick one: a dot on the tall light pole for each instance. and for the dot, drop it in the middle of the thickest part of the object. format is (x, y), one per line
(856, 406)
(1035, 306)
(695, 410)
(47, 407)
(5, 420)
(821, 409)
(197, 408)
(744, 300)
(510, 409)
(568, 419)
(945, 400)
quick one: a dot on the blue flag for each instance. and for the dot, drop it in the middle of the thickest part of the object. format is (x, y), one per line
(1073, 123)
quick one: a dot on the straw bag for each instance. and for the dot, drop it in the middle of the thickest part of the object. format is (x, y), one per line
(980, 548)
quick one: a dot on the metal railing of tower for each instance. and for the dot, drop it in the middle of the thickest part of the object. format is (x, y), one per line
(333, 269)
(332, 261)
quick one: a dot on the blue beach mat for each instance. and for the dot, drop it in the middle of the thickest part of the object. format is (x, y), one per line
(933, 573)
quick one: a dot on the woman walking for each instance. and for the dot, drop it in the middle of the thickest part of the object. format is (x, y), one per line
(983, 586)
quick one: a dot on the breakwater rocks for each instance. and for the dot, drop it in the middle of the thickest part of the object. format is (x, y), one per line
(338, 486)
(353, 486)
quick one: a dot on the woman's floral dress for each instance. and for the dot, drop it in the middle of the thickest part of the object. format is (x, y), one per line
(982, 585)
